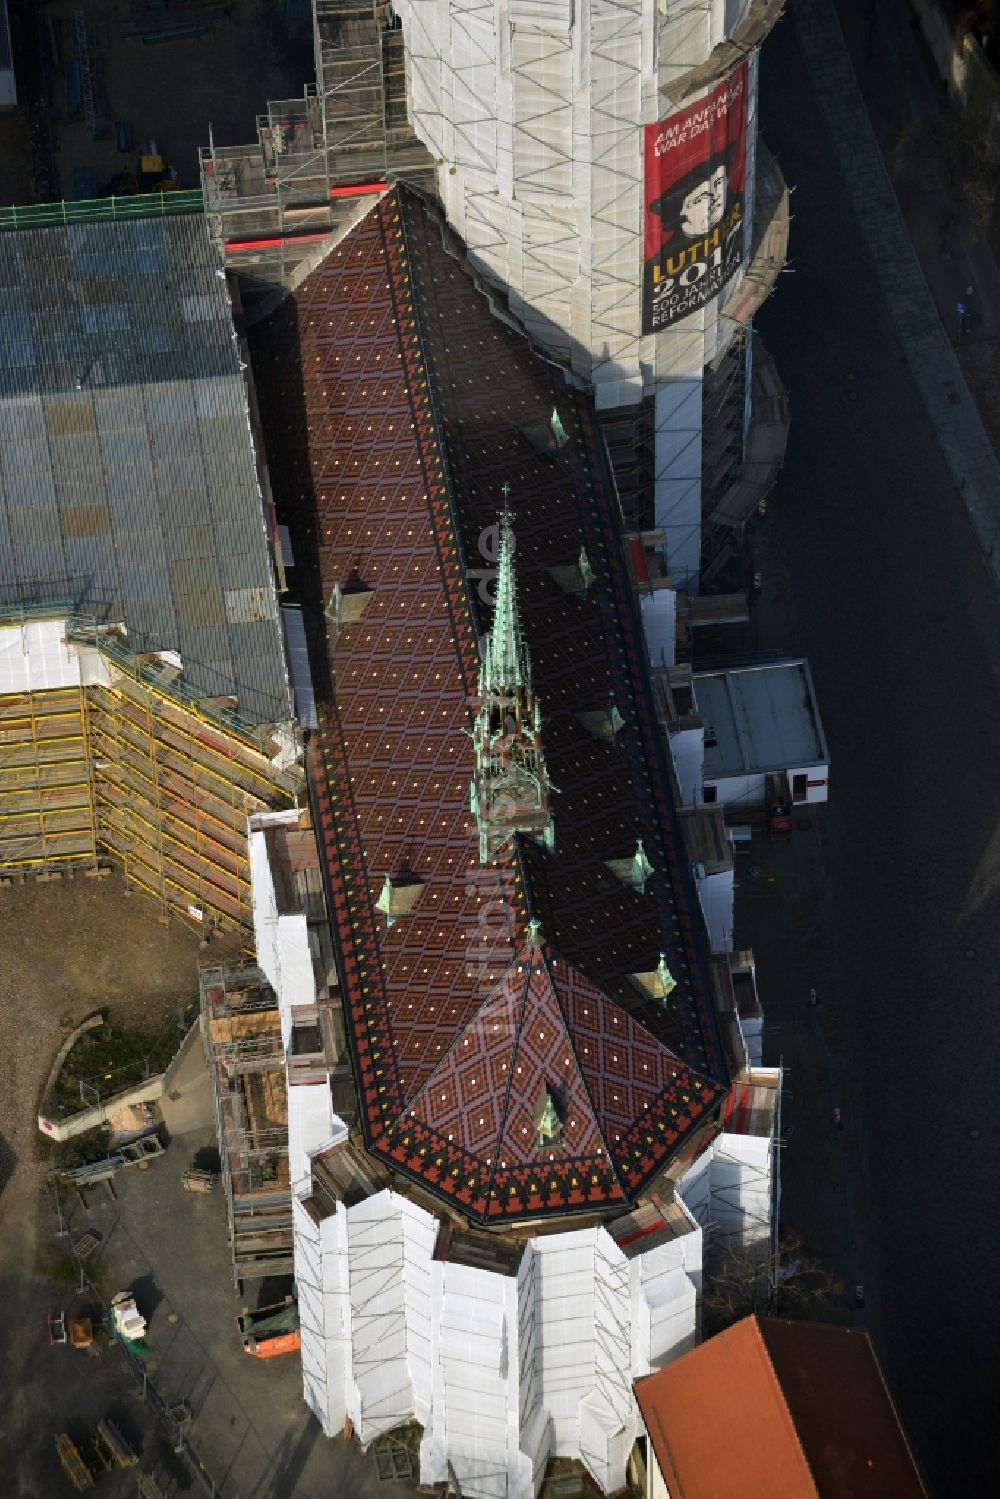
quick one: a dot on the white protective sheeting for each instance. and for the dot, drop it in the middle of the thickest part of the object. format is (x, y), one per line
(534, 110)
(659, 624)
(36, 656)
(728, 1189)
(688, 749)
(503, 1371)
(752, 1029)
(475, 1368)
(390, 1246)
(281, 940)
(677, 474)
(716, 895)
(312, 1124)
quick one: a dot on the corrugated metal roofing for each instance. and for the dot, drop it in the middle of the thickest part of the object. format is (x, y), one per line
(127, 473)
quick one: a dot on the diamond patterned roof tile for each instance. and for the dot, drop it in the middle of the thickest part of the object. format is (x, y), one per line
(394, 404)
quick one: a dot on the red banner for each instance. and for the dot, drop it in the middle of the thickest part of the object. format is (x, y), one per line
(695, 176)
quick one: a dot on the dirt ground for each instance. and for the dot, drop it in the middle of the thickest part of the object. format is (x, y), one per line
(68, 947)
(173, 91)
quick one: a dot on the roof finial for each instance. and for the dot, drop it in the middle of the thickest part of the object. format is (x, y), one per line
(666, 980)
(506, 665)
(511, 790)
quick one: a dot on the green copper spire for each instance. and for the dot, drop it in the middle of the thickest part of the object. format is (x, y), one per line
(506, 665)
(510, 791)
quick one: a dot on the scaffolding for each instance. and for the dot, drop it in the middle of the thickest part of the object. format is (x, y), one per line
(173, 801)
(318, 159)
(132, 766)
(351, 83)
(46, 797)
(242, 1029)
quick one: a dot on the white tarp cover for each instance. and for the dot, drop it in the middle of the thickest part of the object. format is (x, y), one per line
(534, 111)
(502, 1371)
(282, 941)
(36, 656)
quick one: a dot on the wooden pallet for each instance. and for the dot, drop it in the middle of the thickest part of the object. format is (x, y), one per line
(73, 1464)
(110, 1441)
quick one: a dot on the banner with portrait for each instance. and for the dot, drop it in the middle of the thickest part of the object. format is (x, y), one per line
(695, 189)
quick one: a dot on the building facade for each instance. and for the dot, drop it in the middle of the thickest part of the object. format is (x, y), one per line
(492, 1231)
(601, 163)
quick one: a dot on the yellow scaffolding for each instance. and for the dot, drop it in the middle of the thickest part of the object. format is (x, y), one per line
(173, 795)
(46, 799)
(130, 771)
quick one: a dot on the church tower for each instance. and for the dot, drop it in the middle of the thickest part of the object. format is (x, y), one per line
(511, 791)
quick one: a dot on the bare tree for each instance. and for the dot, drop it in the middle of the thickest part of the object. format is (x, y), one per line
(971, 168)
(752, 1278)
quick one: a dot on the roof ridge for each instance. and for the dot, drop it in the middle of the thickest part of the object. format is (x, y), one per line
(505, 1107)
(431, 439)
(626, 1194)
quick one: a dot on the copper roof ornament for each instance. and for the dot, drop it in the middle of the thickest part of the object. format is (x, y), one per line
(667, 982)
(548, 1125)
(506, 663)
(511, 790)
(634, 871)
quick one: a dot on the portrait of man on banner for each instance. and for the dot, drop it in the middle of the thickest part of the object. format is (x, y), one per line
(695, 185)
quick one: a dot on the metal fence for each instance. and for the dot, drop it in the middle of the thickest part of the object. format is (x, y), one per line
(101, 210)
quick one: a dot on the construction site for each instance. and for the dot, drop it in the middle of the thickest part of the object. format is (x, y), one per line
(242, 1030)
(123, 762)
(242, 660)
(320, 161)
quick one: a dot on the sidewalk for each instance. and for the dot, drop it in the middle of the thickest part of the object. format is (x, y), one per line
(889, 903)
(784, 913)
(895, 84)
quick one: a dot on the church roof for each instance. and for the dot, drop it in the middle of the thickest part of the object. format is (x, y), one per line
(396, 405)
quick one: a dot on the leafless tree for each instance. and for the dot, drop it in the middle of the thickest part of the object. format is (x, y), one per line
(743, 1279)
(971, 168)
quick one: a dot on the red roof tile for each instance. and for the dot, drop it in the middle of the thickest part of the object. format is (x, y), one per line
(394, 404)
(771, 1409)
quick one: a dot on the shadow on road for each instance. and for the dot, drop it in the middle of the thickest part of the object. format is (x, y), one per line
(289, 1461)
(147, 1295)
(8, 1162)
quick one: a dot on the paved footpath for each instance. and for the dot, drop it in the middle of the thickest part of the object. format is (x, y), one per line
(950, 406)
(889, 903)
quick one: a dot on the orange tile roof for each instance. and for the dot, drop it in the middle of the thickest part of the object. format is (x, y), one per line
(771, 1409)
(843, 1410)
(719, 1426)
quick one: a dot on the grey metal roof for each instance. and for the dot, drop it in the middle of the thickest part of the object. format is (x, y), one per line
(128, 482)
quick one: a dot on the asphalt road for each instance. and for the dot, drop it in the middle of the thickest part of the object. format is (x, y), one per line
(894, 607)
